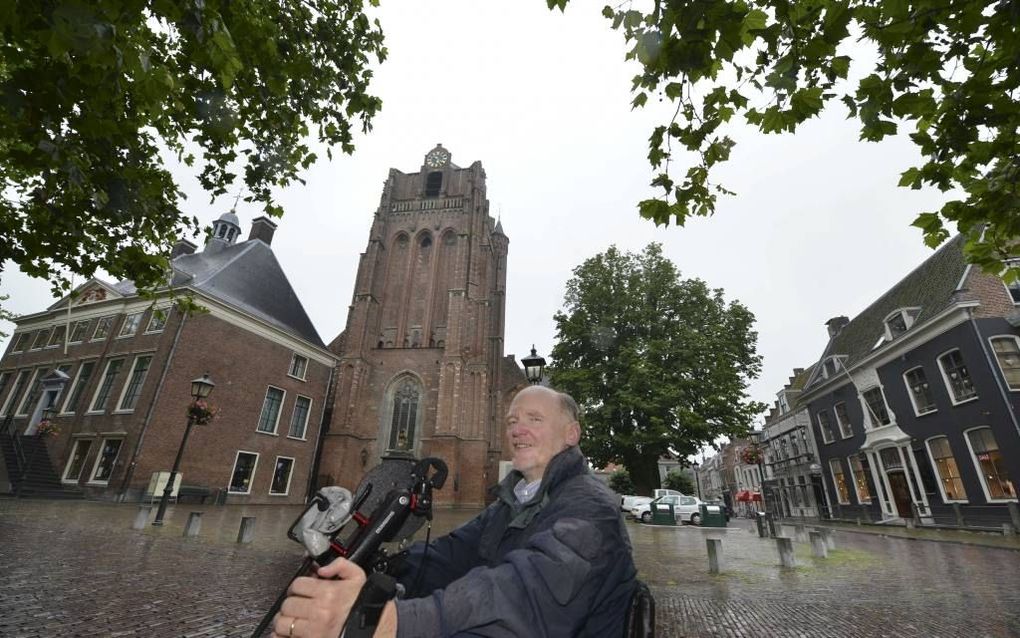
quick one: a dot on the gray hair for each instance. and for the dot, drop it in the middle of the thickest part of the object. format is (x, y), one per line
(569, 406)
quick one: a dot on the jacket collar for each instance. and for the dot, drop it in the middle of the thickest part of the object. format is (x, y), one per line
(565, 465)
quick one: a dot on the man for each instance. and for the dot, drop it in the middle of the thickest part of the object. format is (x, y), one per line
(550, 557)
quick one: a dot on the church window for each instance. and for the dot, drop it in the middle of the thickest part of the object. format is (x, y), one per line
(426, 241)
(404, 419)
(433, 182)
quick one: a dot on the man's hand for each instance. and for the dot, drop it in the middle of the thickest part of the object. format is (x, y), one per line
(318, 607)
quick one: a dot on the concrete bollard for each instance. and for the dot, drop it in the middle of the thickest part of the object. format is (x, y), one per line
(247, 532)
(818, 548)
(715, 558)
(1007, 529)
(1014, 514)
(142, 517)
(194, 525)
(910, 523)
(772, 524)
(958, 513)
(830, 537)
(785, 546)
(800, 533)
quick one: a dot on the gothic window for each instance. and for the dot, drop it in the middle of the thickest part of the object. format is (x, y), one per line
(404, 419)
(426, 241)
(433, 182)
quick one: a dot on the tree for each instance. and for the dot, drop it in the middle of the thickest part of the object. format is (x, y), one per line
(658, 364)
(92, 93)
(619, 482)
(947, 68)
(677, 480)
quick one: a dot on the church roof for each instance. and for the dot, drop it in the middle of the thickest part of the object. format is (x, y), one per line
(248, 277)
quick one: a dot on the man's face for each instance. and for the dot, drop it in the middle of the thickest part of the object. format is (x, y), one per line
(538, 429)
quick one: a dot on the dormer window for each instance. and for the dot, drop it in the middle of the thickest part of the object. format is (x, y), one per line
(832, 366)
(784, 405)
(1013, 286)
(433, 184)
(899, 322)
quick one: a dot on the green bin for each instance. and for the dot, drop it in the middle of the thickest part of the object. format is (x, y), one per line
(662, 514)
(713, 515)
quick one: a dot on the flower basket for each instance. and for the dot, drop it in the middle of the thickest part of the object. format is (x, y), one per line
(201, 412)
(46, 428)
(751, 455)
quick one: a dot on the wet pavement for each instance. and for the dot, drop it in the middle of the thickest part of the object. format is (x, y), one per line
(78, 569)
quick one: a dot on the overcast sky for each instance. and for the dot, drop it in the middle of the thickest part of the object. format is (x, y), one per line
(818, 227)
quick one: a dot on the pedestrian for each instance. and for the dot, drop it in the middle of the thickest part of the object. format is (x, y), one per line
(549, 558)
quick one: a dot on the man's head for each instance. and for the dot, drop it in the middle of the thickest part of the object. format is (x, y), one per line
(540, 424)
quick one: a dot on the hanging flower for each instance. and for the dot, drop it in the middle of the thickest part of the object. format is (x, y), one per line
(751, 455)
(46, 428)
(201, 412)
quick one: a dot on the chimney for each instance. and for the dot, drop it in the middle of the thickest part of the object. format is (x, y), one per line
(836, 325)
(182, 247)
(798, 371)
(262, 228)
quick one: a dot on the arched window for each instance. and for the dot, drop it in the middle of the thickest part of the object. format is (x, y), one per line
(404, 417)
(433, 183)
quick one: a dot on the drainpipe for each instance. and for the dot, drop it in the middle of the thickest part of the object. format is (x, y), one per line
(324, 422)
(992, 367)
(148, 413)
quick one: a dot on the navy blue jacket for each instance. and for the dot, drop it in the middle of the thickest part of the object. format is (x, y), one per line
(557, 566)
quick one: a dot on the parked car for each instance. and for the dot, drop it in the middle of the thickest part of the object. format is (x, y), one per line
(627, 503)
(685, 508)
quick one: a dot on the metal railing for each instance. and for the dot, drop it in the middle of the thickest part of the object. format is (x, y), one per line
(10, 431)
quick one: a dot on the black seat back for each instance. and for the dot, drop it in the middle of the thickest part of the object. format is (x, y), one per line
(641, 614)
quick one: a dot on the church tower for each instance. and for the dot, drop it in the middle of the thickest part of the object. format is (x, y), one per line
(421, 370)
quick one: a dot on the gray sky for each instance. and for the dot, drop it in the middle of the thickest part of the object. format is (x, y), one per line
(818, 227)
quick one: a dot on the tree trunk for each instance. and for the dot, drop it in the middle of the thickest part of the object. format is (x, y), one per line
(644, 473)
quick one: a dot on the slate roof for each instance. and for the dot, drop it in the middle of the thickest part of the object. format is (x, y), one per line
(929, 287)
(247, 276)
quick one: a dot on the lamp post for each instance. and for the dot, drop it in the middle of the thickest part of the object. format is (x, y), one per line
(533, 366)
(200, 389)
(697, 479)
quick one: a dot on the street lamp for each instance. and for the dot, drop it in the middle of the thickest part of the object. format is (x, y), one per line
(200, 389)
(533, 366)
(697, 479)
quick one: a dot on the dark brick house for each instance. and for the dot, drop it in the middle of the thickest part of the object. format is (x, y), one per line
(112, 372)
(914, 403)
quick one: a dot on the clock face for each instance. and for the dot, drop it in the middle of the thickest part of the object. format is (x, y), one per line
(436, 158)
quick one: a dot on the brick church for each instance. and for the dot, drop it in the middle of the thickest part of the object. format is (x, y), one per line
(421, 367)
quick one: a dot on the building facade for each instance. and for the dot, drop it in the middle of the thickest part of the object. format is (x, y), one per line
(422, 370)
(112, 373)
(793, 477)
(914, 402)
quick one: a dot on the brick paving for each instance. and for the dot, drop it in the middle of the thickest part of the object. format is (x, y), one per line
(79, 570)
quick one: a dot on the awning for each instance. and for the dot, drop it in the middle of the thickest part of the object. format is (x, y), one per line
(755, 496)
(743, 496)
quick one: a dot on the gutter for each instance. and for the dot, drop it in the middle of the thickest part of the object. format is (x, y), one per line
(892, 347)
(148, 413)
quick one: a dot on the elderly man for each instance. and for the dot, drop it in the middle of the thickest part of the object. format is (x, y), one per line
(550, 557)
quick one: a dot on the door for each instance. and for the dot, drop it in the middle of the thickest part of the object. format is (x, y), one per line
(901, 494)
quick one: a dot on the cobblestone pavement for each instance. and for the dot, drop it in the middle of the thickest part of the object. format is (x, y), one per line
(77, 569)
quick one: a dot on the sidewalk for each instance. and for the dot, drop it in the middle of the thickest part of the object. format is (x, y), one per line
(962, 537)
